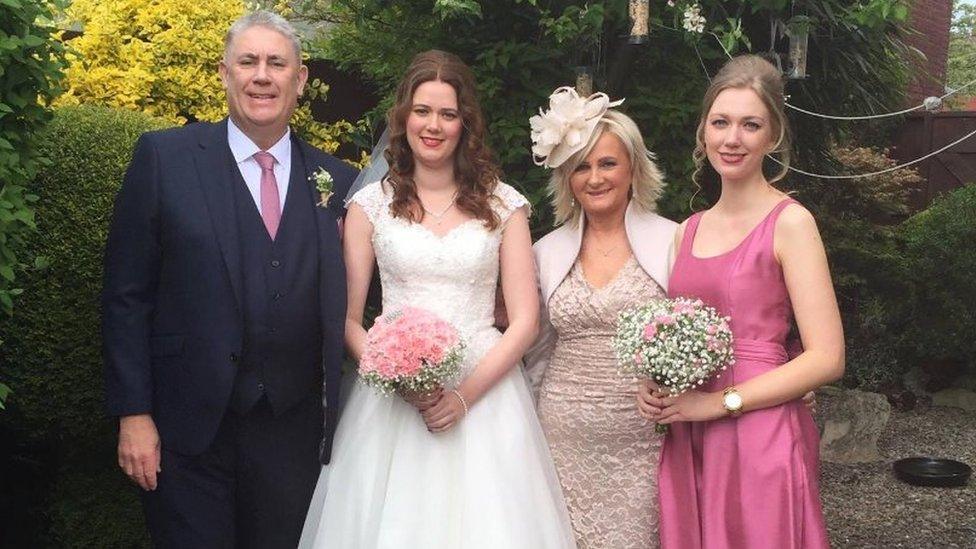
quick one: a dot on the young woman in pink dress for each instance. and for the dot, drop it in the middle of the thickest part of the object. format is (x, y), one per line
(740, 466)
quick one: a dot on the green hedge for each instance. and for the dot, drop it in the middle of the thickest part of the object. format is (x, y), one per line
(940, 257)
(60, 444)
(915, 307)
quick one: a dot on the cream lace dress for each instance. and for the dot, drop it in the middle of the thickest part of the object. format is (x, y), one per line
(606, 454)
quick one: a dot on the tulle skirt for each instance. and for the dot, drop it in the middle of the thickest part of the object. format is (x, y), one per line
(487, 483)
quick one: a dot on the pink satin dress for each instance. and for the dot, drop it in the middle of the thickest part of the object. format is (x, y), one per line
(751, 481)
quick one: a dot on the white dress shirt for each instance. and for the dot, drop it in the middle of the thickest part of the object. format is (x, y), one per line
(243, 150)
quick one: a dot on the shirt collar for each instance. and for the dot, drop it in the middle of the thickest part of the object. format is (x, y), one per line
(243, 148)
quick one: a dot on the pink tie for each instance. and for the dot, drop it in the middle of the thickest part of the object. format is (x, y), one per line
(270, 207)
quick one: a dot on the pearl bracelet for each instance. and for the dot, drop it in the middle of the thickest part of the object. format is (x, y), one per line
(464, 403)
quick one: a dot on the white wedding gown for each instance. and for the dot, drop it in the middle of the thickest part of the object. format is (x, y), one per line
(486, 483)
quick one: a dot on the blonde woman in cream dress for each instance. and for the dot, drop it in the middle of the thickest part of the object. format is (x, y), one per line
(609, 254)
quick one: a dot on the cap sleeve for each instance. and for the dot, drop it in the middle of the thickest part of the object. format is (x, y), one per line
(507, 200)
(372, 199)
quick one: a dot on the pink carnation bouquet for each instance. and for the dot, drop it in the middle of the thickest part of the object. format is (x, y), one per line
(411, 349)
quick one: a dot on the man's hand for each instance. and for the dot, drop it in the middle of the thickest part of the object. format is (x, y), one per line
(139, 449)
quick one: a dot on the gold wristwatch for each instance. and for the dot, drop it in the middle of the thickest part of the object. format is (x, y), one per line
(732, 401)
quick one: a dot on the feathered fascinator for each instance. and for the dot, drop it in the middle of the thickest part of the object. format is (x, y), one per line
(566, 127)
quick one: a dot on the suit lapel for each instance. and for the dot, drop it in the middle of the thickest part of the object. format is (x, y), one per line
(301, 170)
(214, 174)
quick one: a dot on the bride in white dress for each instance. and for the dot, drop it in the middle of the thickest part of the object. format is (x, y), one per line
(467, 467)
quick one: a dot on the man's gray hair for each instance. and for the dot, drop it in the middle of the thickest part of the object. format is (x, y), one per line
(265, 19)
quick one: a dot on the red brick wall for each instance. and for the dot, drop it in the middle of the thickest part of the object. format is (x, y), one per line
(930, 19)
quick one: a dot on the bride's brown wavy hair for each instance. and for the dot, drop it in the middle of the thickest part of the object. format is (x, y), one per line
(475, 170)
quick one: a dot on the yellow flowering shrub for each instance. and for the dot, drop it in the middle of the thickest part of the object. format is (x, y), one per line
(160, 57)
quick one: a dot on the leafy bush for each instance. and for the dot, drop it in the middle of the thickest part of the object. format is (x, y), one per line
(858, 220)
(520, 50)
(940, 259)
(31, 66)
(160, 57)
(62, 439)
(960, 69)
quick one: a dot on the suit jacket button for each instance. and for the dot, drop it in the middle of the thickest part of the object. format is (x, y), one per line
(233, 357)
(275, 263)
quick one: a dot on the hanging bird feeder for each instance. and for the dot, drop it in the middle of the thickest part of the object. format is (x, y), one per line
(584, 81)
(798, 31)
(639, 16)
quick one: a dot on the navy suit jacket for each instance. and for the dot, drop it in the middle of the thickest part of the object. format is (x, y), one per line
(172, 324)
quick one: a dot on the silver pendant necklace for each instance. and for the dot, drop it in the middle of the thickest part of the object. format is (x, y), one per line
(590, 245)
(439, 217)
(606, 253)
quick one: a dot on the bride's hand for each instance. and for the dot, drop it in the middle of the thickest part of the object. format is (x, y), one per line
(445, 413)
(421, 401)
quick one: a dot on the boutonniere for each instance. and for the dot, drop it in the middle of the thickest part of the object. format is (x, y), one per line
(323, 184)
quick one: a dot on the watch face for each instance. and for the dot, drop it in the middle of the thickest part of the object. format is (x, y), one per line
(733, 401)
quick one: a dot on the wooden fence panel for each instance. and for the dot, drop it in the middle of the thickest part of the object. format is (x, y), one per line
(923, 133)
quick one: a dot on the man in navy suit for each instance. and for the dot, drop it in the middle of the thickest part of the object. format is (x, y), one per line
(224, 309)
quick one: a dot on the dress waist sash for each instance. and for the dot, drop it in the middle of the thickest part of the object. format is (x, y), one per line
(755, 350)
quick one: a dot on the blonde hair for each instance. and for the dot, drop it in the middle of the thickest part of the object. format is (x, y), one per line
(757, 74)
(647, 180)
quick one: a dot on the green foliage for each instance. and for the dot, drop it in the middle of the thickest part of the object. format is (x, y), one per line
(95, 506)
(876, 12)
(858, 217)
(31, 66)
(940, 260)
(961, 64)
(521, 51)
(905, 288)
(854, 69)
(447, 9)
(576, 26)
(89, 148)
(160, 57)
(53, 346)
(16, 218)
(858, 220)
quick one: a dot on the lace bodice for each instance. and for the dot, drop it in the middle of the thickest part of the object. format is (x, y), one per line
(454, 275)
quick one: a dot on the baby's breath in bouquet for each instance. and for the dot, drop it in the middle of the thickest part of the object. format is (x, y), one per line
(678, 343)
